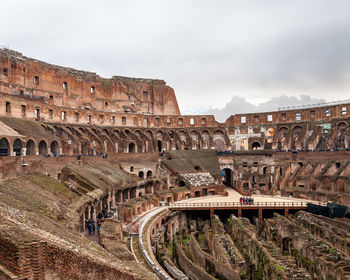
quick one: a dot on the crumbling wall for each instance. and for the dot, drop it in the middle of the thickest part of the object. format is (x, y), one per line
(193, 271)
(211, 265)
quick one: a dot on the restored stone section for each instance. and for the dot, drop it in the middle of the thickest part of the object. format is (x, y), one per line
(316, 254)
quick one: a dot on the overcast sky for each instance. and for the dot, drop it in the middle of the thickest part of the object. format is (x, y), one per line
(219, 56)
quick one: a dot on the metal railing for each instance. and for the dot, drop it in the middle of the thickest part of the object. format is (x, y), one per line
(192, 205)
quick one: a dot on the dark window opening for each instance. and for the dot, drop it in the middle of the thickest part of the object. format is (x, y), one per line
(113, 119)
(181, 183)
(301, 186)
(50, 114)
(300, 164)
(141, 174)
(92, 90)
(159, 145)
(145, 95)
(89, 119)
(337, 164)
(36, 80)
(245, 164)
(51, 97)
(21, 92)
(65, 85)
(23, 110)
(8, 107)
(6, 73)
(106, 104)
(255, 163)
(197, 167)
(131, 169)
(265, 170)
(76, 116)
(246, 186)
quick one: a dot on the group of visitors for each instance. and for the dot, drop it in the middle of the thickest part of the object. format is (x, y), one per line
(246, 200)
(93, 226)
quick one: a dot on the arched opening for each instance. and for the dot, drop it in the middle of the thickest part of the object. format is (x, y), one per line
(286, 244)
(227, 177)
(340, 185)
(264, 170)
(159, 145)
(181, 183)
(54, 147)
(42, 148)
(255, 146)
(219, 145)
(149, 174)
(4, 147)
(17, 147)
(198, 168)
(141, 174)
(131, 148)
(30, 148)
(85, 148)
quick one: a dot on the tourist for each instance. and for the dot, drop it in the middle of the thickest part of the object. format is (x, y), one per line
(98, 227)
(241, 200)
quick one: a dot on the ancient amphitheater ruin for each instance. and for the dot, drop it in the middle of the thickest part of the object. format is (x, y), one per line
(105, 179)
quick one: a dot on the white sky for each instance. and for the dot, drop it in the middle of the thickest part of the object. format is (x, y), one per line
(209, 51)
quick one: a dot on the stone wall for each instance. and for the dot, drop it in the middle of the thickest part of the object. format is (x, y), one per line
(222, 270)
(193, 271)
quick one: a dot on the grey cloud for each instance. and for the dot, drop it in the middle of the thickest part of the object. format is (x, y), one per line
(203, 49)
(239, 105)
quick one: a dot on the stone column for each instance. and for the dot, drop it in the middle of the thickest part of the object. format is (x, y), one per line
(113, 198)
(82, 221)
(94, 212)
(260, 217)
(239, 212)
(89, 212)
(109, 199)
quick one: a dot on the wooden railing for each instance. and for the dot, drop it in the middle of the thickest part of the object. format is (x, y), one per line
(192, 205)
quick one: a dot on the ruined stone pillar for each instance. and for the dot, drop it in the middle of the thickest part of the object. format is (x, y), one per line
(89, 212)
(116, 147)
(212, 219)
(99, 206)
(82, 222)
(239, 212)
(109, 199)
(113, 198)
(260, 217)
(94, 210)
